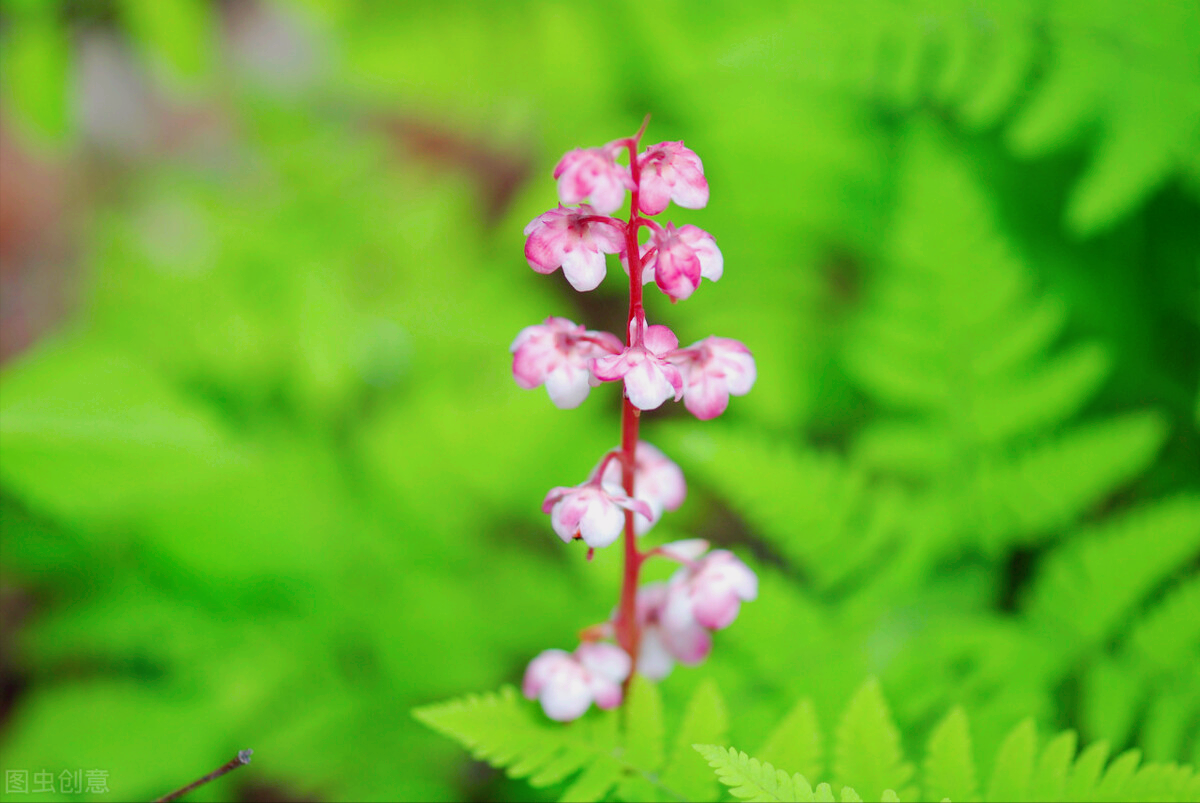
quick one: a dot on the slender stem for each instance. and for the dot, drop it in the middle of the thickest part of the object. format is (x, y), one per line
(243, 757)
(628, 635)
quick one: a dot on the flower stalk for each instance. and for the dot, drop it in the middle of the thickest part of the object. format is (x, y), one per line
(654, 625)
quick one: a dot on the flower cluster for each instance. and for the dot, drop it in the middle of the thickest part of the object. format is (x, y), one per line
(569, 360)
(630, 489)
(678, 616)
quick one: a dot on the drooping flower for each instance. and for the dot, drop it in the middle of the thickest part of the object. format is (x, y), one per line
(593, 173)
(709, 591)
(650, 379)
(575, 240)
(591, 511)
(671, 172)
(567, 684)
(657, 481)
(713, 369)
(679, 258)
(558, 354)
(664, 643)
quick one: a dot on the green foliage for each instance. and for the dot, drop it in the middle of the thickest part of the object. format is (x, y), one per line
(758, 782)
(603, 754)
(274, 453)
(1022, 770)
(974, 449)
(609, 753)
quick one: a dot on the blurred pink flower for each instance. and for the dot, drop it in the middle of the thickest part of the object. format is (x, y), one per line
(657, 481)
(567, 684)
(709, 591)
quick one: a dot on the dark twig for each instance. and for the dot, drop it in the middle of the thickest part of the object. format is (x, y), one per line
(243, 757)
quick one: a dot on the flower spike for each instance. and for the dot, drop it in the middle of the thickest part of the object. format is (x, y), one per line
(659, 624)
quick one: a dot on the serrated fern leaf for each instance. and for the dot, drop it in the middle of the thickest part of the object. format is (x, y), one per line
(1050, 773)
(1092, 581)
(1168, 635)
(867, 750)
(754, 780)
(949, 769)
(509, 733)
(1013, 768)
(820, 512)
(952, 340)
(643, 727)
(1041, 488)
(704, 722)
(796, 741)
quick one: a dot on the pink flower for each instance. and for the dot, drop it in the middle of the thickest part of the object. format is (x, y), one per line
(709, 591)
(576, 240)
(567, 684)
(657, 481)
(649, 378)
(664, 642)
(591, 511)
(670, 172)
(713, 369)
(558, 354)
(592, 172)
(680, 257)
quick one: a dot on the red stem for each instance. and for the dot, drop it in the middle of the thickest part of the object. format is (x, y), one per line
(628, 633)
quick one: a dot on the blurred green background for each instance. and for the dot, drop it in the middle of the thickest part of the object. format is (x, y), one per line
(267, 481)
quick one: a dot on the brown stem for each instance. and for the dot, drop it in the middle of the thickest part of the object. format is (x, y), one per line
(243, 757)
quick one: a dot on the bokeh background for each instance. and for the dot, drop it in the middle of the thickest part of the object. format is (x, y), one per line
(267, 481)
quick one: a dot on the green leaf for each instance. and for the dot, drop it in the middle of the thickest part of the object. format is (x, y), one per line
(867, 753)
(704, 722)
(643, 725)
(594, 782)
(509, 733)
(1014, 765)
(643, 729)
(1118, 775)
(754, 780)
(91, 434)
(949, 769)
(176, 35)
(1083, 776)
(1053, 767)
(795, 741)
(1092, 581)
(35, 63)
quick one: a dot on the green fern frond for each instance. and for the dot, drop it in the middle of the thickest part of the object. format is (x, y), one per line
(822, 513)
(867, 749)
(949, 768)
(1168, 635)
(506, 731)
(952, 341)
(1022, 770)
(759, 782)
(796, 741)
(1061, 70)
(607, 752)
(704, 721)
(1091, 582)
